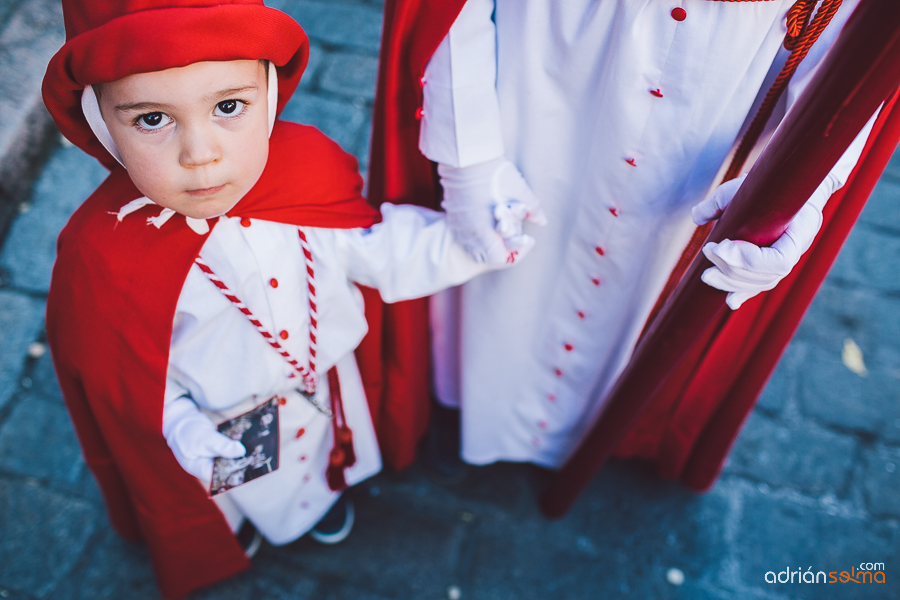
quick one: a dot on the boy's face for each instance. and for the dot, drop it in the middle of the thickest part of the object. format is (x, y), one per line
(194, 139)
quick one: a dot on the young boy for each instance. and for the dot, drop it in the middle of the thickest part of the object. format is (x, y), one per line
(215, 273)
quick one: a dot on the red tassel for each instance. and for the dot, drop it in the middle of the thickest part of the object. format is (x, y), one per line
(335, 472)
(345, 442)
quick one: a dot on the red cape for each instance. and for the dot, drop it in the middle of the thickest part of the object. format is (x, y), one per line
(109, 324)
(689, 428)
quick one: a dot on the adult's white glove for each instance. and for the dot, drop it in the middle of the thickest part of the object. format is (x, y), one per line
(194, 439)
(487, 205)
(744, 269)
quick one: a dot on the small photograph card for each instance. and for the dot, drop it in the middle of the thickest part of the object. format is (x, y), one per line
(257, 430)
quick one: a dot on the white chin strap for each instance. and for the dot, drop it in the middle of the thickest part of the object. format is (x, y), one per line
(91, 109)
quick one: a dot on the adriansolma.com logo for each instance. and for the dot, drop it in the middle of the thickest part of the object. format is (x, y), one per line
(865, 573)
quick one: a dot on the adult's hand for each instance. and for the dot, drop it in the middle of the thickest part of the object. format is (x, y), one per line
(743, 269)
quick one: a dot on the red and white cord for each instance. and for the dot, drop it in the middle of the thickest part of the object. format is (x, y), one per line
(310, 379)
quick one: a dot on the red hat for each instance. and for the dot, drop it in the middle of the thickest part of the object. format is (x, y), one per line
(109, 40)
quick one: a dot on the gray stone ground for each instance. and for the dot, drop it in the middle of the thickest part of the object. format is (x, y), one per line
(814, 481)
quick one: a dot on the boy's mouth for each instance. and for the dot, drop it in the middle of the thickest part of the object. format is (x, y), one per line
(206, 191)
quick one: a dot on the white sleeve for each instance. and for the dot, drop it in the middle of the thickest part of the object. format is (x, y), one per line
(174, 391)
(838, 175)
(461, 113)
(410, 254)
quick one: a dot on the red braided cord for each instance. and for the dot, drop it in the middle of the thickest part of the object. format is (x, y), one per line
(799, 40)
(310, 379)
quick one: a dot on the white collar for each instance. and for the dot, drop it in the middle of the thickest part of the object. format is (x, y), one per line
(199, 226)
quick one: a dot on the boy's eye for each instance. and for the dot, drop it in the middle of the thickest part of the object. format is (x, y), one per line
(229, 108)
(154, 120)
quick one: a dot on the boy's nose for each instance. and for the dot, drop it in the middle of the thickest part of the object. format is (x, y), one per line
(199, 148)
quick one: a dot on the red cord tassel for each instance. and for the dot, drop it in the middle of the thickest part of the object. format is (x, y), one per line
(345, 439)
(334, 474)
(342, 454)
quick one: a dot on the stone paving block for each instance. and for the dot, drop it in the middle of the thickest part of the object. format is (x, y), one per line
(869, 260)
(881, 209)
(6, 9)
(270, 579)
(112, 569)
(311, 74)
(21, 319)
(337, 23)
(341, 121)
(44, 535)
(881, 481)
(867, 317)
(351, 75)
(38, 440)
(43, 379)
(30, 248)
(32, 33)
(776, 534)
(809, 458)
(782, 386)
(832, 394)
(395, 550)
(619, 540)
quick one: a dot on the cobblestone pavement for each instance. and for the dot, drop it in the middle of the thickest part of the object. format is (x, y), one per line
(814, 482)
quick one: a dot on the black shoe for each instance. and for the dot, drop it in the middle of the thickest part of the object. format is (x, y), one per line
(249, 538)
(335, 526)
(445, 467)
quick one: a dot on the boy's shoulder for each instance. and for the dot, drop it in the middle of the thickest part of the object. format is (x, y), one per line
(306, 147)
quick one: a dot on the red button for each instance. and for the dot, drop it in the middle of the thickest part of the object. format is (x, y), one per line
(558, 372)
(245, 222)
(679, 14)
(542, 424)
(569, 347)
(303, 458)
(581, 314)
(282, 401)
(300, 432)
(551, 398)
(284, 335)
(631, 162)
(305, 478)
(614, 211)
(657, 93)
(599, 250)
(273, 282)
(536, 442)
(595, 281)
(419, 113)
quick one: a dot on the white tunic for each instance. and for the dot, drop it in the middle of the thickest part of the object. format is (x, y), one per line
(620, 117)
(221, 361)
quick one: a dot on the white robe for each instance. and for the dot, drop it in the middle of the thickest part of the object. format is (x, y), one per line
(221, 361)
(619, 116)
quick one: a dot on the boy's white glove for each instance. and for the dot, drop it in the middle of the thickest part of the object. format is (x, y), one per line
(194, 439)
(744, 269)
(487, 205)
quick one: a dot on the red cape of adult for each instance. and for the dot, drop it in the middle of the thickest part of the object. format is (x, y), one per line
(109, 323)
(689, 428)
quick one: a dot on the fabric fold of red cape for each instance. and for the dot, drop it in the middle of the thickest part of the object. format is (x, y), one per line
(109, 323)
(689, 428)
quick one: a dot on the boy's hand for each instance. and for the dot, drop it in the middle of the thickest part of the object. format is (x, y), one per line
(487, 205)
(194, 439)
(744, 269)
